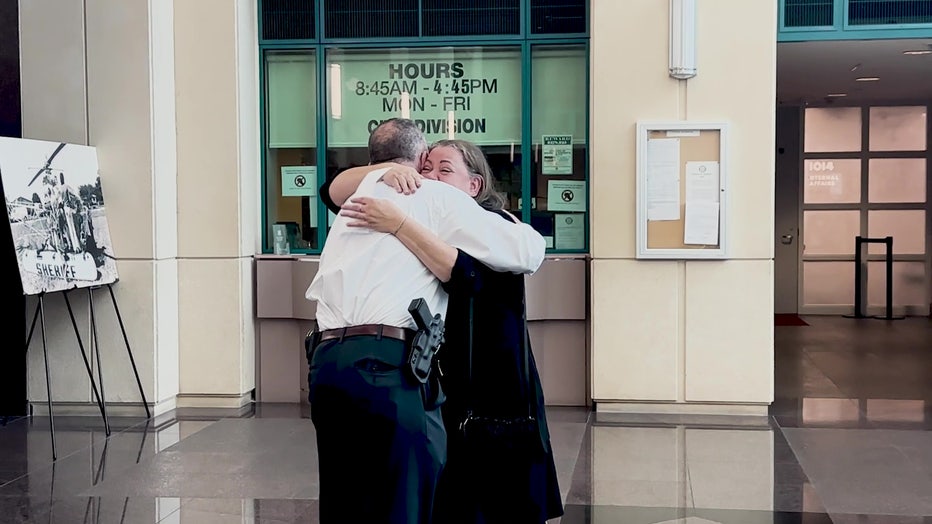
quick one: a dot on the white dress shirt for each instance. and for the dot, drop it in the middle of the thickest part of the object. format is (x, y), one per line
(367, 277)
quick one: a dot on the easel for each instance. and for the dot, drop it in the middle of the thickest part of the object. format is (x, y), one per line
(98, 396)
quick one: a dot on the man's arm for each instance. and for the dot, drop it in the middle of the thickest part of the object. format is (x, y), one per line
(498, 243)
(335, 192)
(346, 183)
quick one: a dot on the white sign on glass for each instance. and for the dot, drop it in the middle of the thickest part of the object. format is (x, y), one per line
(566, 195)
(569, 230)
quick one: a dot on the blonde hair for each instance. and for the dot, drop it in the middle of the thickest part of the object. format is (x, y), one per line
(478, 166)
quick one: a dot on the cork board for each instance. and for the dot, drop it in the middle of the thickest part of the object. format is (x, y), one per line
(663, 219)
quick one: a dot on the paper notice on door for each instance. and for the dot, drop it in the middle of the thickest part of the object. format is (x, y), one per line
(566, 195)
(663, 179)
(299, 181)
(702, 182)
(701, 223)
(557, 155)
(570, 231)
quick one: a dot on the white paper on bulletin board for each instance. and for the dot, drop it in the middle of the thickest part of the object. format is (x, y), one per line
(569, 230)
(566, 195)
(299, 181)
(663, 179)
(701, 223)
(702, 182)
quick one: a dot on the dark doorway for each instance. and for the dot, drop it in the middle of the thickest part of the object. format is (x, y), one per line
(12, 325)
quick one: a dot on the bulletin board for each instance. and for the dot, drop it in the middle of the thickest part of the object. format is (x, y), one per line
(682, 190)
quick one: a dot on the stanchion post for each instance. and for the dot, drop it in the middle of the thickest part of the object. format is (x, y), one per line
(888, 242)
(858, 278)
(888, 263)
(859, 302)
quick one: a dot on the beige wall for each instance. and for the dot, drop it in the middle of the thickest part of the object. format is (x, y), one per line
(679, 332)
(168, 93)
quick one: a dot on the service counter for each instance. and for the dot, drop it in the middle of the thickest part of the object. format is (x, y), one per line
(558, 321)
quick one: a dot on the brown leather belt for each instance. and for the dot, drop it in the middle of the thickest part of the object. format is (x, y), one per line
(375, 330)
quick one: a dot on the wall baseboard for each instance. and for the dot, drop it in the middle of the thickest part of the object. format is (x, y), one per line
(114, 409)
(189, 400)
(681, 408)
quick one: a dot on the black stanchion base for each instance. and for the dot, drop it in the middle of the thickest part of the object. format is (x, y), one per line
(874, 317)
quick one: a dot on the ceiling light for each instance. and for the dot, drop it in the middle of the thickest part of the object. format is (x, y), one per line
(867, 79)
(856, 67)
(918, 52)
(836, 95)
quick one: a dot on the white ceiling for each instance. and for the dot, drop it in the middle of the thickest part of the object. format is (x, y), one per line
(808, 71)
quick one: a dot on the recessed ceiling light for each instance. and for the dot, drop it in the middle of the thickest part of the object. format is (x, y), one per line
(918, 52)
(867, 79)
(836, 95)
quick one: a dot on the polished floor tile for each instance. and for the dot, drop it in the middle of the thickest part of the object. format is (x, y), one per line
(639, 515)
(847, 441)
(834, 377)
(865, 471)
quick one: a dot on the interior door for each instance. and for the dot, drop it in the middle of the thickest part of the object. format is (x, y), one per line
(786, 211)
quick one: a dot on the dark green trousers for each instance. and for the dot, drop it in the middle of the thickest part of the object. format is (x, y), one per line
(381, 443)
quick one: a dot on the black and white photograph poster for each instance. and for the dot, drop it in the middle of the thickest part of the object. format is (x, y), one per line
(56, 210)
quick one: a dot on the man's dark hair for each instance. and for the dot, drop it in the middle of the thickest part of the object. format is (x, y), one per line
(396, 140)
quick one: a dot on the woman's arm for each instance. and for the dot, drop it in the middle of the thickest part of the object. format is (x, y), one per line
(403, 178)
(435, 254)
(384, 216)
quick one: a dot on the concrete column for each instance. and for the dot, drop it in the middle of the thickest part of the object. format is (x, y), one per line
(101, 73)
(216, 60)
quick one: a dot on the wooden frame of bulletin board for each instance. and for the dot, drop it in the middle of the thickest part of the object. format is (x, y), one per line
(682, 190)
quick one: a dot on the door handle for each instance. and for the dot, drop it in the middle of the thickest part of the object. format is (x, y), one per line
(786, 239)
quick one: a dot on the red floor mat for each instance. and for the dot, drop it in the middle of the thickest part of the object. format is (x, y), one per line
(788, 319)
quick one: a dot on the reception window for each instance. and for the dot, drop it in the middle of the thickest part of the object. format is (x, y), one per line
(559, 189)
(517, 87)
(291, 179)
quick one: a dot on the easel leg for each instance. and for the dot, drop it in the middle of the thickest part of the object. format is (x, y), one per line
(87, 366)
(96, 344)
(32, 328)
(48, 379)
(129, 351)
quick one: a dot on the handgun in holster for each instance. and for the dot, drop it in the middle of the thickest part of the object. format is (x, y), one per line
(427, 340)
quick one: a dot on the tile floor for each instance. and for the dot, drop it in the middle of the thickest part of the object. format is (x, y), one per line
(848, 441)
